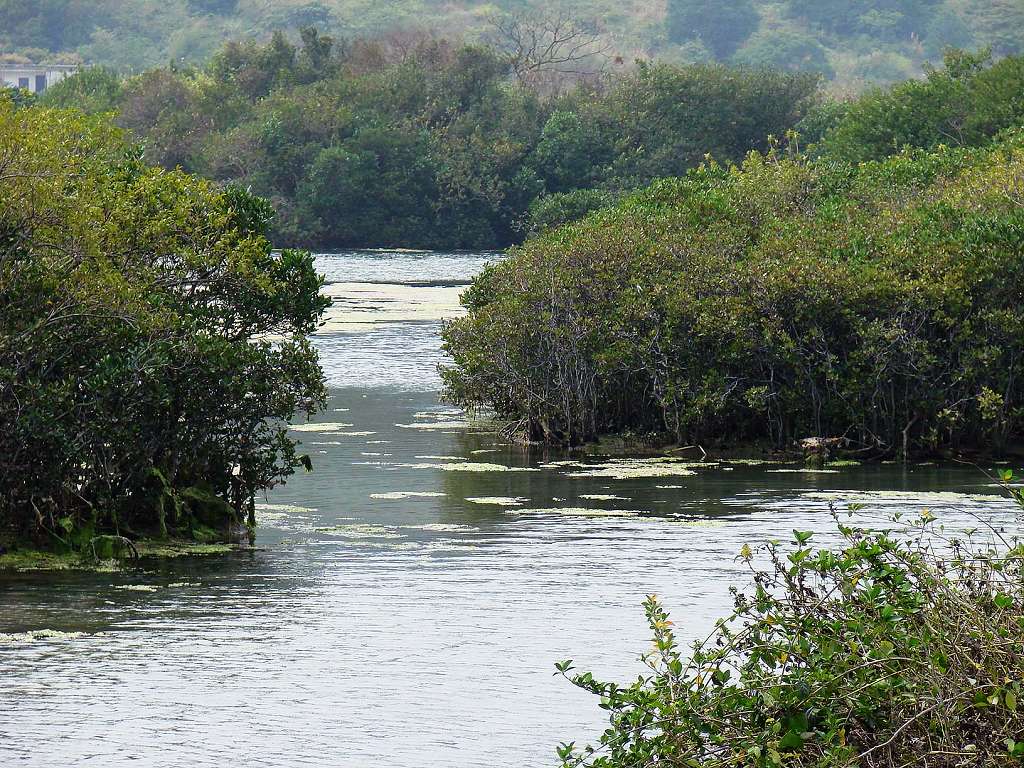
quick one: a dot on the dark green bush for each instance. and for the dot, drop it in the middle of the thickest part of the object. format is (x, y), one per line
(565, 207)
(152, 344)
(721, 26)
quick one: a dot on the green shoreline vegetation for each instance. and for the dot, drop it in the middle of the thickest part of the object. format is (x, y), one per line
(153, 348)
(715, 255)
(439, 144)
(837, 293)
(20, 559)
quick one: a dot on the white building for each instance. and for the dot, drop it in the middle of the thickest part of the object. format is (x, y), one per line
(32, 78)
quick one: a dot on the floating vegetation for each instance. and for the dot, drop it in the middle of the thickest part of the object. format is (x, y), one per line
(285, 517)
(603, 497)
(31, 636)
(468, 466)
(669, 487)
(441, 458)
(288, 509)
(909, 497)
(698, 523)
(449, 413)
(625, 469)
(320, 426)
(441, 527)
(179, 548)
(576, 512)
(752, 462)
(365, 306)
(498, 501)
(437, 425)
(805, 471)
(395, 495)
(362, 531)
(484, 450)
(34, 560)
(137, 588)
(843, 463)
(24, 560)
(354, 434)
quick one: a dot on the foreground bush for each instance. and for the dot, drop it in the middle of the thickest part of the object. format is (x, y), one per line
(781, 299)
(152, 345)
(889, 651)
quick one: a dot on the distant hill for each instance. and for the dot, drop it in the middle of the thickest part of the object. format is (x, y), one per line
(854, 42)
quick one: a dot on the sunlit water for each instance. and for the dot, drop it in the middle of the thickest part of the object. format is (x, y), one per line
(389, 620)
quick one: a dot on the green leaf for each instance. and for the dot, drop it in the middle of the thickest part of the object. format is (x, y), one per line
(802, 537)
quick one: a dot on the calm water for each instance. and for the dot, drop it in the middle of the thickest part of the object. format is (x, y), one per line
(391, 619)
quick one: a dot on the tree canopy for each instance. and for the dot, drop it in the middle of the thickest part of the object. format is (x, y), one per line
(431, 144)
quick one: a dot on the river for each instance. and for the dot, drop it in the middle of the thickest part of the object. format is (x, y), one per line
(411, 595)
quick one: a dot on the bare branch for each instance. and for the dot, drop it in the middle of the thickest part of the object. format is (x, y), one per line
(539, 44)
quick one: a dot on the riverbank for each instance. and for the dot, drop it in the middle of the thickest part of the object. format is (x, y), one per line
(26, 559)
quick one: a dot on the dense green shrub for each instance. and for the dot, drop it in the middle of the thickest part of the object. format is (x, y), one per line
(964, 104)
(565, 207)
(900, 647)
(93, 90)
(152, 345)
(770, 302)
(785, 49)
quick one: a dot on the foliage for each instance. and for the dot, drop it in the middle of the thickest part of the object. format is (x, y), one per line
(19, 97)
(430, 144)
(152, 344)
(562, 208)
(666, 120)
(899, 647)
(94, 90)
(963, 104)
(777, 300)
(785, 49)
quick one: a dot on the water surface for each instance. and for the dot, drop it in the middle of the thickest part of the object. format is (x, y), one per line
(390, 619)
